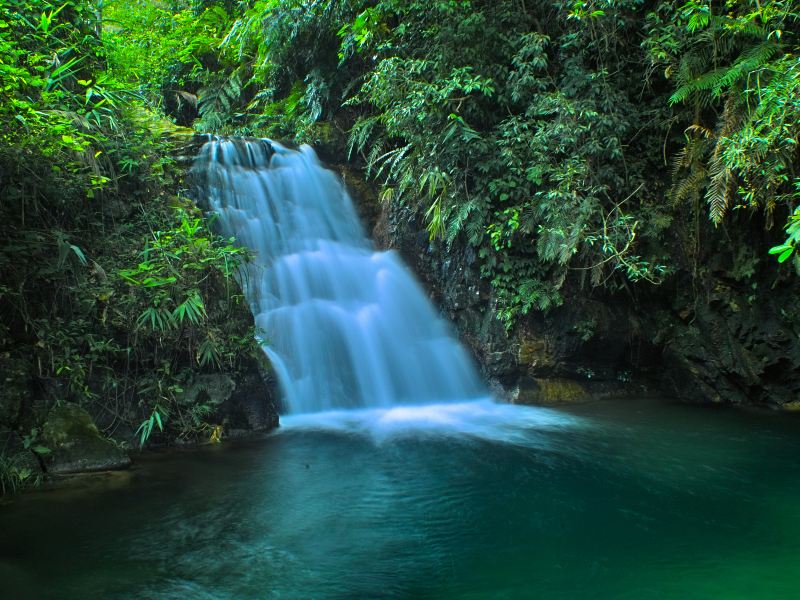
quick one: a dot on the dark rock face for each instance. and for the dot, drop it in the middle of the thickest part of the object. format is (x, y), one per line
(243, 404)
(76, 445)
(734, 348)
(252, 406)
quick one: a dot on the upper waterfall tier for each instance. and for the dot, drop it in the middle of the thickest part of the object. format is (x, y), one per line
(345, 326)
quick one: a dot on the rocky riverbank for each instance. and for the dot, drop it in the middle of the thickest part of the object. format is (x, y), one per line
(43, 439)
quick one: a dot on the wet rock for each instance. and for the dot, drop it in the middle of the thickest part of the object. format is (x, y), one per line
(243, 403)
(535, 353)
(364, 196)
(734, 351)
(207, 388)
(252, 406)
(76, 445)
(550, 391)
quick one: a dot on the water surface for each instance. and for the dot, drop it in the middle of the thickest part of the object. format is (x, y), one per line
(625, 499)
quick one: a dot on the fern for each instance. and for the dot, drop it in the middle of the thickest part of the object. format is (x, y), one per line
(690, 186)
(719, 190)
(750, 61)
(475, 231)
(704, 82)
(217, 101)
(460, 216)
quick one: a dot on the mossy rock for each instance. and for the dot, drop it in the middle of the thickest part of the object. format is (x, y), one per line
(551, 391)
(76, 446)
(535, 353)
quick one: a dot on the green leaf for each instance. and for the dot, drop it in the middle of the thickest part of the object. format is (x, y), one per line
(779, 249)
(79, 253)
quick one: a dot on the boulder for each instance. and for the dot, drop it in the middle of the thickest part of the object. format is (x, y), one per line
(242, 405)
(252, 406)
(212, 389)
(76, 445)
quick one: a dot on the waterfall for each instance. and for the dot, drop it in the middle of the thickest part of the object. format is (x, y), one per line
(345, 326)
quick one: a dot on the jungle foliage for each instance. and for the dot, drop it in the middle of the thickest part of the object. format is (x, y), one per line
(114, 290)
(570, 143)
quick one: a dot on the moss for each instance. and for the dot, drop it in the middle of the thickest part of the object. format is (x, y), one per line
(552, 391)
(534, 352)
(76, 445)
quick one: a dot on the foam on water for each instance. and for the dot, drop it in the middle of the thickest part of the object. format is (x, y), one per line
(481, 419)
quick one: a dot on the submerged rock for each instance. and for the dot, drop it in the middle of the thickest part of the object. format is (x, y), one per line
(76, 445)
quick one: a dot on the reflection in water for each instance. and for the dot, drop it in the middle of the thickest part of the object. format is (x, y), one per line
(604, 500)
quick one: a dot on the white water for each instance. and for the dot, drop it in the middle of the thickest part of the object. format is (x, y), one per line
(345, 326)
(477, 419)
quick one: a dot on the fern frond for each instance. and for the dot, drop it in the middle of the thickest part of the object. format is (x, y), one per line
(460, 216)
(752, 60)
(700, 129)
(216, 101)
(475, 231)
(720, 188)
(704, 82)
(690, 186)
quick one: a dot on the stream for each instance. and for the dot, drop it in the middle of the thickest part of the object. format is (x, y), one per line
(614, 499)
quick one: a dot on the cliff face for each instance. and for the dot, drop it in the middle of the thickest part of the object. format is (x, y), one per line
(724, 332)
(733, 341)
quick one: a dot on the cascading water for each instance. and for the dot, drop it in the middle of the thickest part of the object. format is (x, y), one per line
(345, 326)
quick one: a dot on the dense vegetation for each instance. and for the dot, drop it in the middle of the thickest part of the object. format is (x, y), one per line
(608, 146)
(537, 133)
(114, 292)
